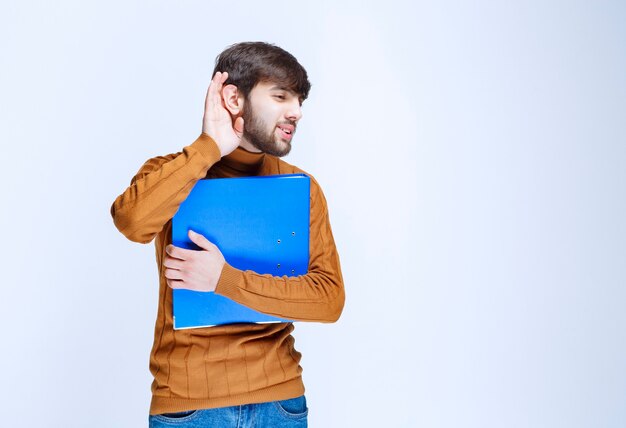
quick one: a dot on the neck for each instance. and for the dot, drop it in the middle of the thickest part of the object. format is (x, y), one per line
(242, 161)
(245, 144)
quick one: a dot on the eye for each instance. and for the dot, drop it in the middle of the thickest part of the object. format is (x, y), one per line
(280, 97)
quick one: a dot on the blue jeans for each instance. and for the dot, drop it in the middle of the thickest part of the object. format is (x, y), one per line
(291, 413)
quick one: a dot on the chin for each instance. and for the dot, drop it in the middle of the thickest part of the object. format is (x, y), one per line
(280, 149)
(285, 149)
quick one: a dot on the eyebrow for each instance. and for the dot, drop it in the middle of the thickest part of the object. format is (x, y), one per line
(281, 88)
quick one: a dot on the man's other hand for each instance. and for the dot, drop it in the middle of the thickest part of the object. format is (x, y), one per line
(217, 121)
(191, 269)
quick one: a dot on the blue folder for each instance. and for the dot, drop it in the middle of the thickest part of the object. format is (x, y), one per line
(258, 223)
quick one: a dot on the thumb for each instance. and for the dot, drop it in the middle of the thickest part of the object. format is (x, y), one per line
(238, 126)
(200, 240)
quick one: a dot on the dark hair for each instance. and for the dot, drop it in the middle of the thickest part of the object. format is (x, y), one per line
(249, 63)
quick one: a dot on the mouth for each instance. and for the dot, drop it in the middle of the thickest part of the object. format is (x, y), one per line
(286, 131)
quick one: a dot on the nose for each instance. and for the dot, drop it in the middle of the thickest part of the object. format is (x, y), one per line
(295, 112)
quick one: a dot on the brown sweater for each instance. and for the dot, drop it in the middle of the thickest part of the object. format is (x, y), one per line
(239, 363)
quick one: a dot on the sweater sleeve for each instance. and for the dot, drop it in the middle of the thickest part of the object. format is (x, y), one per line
(161, 185)
(317, 296)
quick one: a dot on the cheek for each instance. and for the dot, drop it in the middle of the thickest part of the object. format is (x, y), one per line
(272, 119)
(273, 112)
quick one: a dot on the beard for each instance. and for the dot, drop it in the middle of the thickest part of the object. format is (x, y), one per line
(256, 132)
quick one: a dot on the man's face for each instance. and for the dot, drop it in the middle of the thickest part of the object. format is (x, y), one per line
(270, 114)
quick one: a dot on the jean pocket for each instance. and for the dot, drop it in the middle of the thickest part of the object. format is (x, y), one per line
(183, 416)
(293, 408)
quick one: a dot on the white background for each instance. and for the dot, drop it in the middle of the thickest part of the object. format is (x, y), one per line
(473, 157)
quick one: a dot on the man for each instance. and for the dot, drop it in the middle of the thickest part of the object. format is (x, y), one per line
(237, 374)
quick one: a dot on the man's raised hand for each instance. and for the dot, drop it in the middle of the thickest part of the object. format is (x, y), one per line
(217, 121)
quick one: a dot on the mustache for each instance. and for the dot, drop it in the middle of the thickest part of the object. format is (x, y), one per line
(289, 122)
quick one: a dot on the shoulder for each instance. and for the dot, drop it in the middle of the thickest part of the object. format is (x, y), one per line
(287, 168)
(317, 195)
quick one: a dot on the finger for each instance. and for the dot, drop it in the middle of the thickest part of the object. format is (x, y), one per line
(224, 79)
(172, 263)
(174, 274)
(172, 283)
(176, 252)
(219, 84)
(238, 126)
(209, 92)
(212, 92)
(200, 240)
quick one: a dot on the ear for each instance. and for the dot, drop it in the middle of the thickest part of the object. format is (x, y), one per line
(233, 99)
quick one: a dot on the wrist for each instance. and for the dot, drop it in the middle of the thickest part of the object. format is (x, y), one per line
(208, 147)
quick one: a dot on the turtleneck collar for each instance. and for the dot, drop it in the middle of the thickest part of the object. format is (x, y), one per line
(244, 161)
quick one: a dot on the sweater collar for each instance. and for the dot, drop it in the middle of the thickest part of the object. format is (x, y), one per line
(244, 161)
